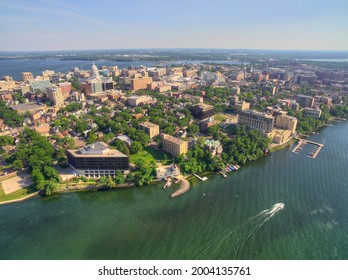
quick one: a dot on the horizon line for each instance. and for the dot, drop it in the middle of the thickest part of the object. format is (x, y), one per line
(176, 48)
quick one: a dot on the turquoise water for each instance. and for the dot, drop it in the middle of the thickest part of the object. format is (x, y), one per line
(238, 217)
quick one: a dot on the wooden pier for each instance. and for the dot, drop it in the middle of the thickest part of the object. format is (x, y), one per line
(303, 143)
(200, 178)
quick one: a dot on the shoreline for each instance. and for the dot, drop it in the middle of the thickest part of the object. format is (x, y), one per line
(188, 177)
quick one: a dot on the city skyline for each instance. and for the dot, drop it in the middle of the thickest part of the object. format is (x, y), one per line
(48, 25)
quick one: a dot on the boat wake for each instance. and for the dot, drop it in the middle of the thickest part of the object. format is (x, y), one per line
(250, 226)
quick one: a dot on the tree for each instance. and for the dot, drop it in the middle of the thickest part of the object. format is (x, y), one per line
(136, 147)
(92, 137)
(200, 142)
(193, 129)
(17, 165)
(119, 177)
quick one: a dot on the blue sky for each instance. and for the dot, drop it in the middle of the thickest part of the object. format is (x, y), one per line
(117, 24)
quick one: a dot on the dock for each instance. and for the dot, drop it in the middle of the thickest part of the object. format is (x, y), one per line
(200, 178)
(302, 143)
(184, 187)
(168, 183)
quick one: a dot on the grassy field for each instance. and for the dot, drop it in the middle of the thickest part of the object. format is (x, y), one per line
(149, 154)
(220, 118)
(17, 194)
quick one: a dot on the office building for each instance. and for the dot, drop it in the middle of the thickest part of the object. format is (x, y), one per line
(173, 145)
(55, 96)
(305, 101)
(98, 160)
(26, 76)
(257, 120)
(140, 83)
(66, 88)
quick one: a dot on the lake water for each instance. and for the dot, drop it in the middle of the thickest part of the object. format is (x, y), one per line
(239, 217)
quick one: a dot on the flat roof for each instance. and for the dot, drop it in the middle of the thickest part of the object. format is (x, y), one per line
(148, 124)
(173, 139)
(98, 149)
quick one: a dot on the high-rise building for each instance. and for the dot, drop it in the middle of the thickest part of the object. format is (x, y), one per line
(140, 83)
(257, 120)
(98, 160)
(54, 94)
(26, 76)
(173, 145)
(305, 101)
(150, 128)
(66, 88)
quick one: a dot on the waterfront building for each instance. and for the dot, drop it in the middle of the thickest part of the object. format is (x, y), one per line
(97, 160)
(173, 145)
(256, 120)
(315, 113)
(305, 101)
(279, 136)
(202, 111)
(151, 129)
(286, 122)
(26, 76)
(55, 96)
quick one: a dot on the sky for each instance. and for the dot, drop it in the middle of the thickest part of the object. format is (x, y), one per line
(226, 24)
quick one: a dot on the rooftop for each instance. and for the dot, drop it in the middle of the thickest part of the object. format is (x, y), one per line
(256, 113)
(148, 124)
(173, 139)
(98, 149)
(203, 106)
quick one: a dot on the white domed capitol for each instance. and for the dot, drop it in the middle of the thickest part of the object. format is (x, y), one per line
(94, 72)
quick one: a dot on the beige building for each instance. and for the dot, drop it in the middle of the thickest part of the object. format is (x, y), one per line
(286, 122)
(140, 83)
(173, 145)
(55, 95)
(241, 106)
(137, 100)
(26, 76)
(7, 84)
(279, 136)
(150, 128)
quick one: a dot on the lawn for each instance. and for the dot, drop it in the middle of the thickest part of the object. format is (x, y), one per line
(220, 118)
(149, 154)
(17, 194)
